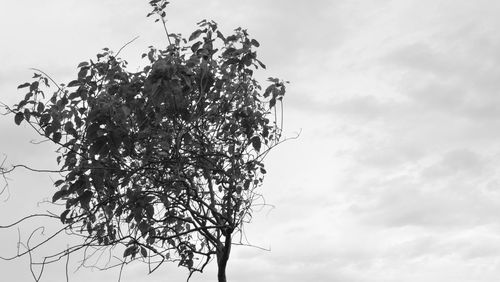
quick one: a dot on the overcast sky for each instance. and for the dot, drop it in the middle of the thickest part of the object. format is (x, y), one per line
(395, 176)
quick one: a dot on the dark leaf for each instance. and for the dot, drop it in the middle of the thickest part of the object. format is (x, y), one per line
(28, 96)
(261, 64)
(74, 83)
(143, 226)
(40, 107)
(82, 73)
(56, 137)
(273, 80)
(27, 115)
(63, 216)
(265, 132)
(58, 195)
(272, 103)
(84, 199)
(18, 118)
(76, 186)
(196, 46)
(256, 143)
(83, 64)
(24, 85)
(68, 126)
(144, 252)
(44, 119)
(232, 38)
(129, 251)
(255, 43)
(195, 35)
(34, 86)
(22, 104)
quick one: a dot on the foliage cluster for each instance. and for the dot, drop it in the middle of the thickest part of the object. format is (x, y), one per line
(164, 160)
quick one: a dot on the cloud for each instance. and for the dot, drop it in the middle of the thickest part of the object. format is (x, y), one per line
(450, 72)
(457, 161)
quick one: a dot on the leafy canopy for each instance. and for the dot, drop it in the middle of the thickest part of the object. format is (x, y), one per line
(164, 160)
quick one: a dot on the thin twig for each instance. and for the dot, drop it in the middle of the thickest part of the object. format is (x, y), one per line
(166, 31)
(135, 38)
(6, 171)
(27, 217)
(121, 269)
(67, 264)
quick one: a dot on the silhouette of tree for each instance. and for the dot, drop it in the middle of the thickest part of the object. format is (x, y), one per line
(165, 160)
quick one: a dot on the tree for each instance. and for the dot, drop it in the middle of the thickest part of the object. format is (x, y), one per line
(165, 160)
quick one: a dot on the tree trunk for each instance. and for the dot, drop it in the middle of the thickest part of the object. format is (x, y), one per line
(222, 258)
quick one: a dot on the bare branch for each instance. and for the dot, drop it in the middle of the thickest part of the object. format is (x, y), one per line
(28, 217)
(126, 44)
(13, 167)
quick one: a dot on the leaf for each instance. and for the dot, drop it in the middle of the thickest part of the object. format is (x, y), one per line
(129, 251)
(58, 195)
(195, 35)
(74, 83)
(27, 115)
(44, 119)
(265, 132)
(24, 85)
(256, 143)
(63, 216)
(56, 137)
(83, 64)
(18, 118)
(196, 46)
(58, 182)
(261, 64)
(228, 51)
(22, 104)
(82, 73)
(246, 185)
(255, 43)
(232, 38)
(84, 199)
(272, 103)
(40, 107)
(34, 86)
(144, 252)
(272, 79)
(143, 226)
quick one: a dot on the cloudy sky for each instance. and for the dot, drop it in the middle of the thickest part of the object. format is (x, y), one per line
(395, 175)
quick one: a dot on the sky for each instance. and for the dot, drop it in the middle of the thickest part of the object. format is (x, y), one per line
(395, 173)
